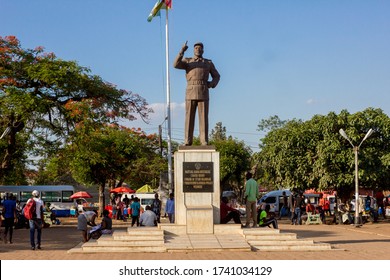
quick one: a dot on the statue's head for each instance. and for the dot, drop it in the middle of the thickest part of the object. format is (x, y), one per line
(198, 49)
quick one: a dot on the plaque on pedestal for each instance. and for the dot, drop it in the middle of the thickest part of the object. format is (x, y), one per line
(198, 177)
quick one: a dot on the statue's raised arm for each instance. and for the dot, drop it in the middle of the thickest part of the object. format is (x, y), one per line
(198, 70)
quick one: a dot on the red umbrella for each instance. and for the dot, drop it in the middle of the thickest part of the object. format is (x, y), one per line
(81, 194)
(122, 190)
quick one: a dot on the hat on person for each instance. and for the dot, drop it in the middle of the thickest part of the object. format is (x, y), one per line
(198, 44)
(35, 193)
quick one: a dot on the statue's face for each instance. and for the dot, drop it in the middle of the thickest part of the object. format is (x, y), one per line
(198, 51)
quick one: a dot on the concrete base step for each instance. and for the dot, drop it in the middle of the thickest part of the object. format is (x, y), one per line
(266, 239)
(193, 243)
(308, 248)
(94, 246)
(128, 243)
(281, 242)
(138, 235)
(134, 239)
(277, 236)
(173, 238)
(144, 231)
(260, 231)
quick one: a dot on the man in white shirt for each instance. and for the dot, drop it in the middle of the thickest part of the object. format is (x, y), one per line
(36, 223)
(148, 218)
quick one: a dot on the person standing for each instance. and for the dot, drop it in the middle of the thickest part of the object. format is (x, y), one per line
(9, 208)
(37, 222)
(156, 207)
(126, 201)
(299, 203)
(198, 70)
(170, 208)
(135, 211)
(379, 201)
(291, 201)
(251, 195)
(284, 210)
(119, 207)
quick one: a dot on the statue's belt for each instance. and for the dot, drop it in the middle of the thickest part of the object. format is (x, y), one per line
(197, 82)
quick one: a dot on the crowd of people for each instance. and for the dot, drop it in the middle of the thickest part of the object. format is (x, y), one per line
(123, 209)
(292, 206)
(297, 207)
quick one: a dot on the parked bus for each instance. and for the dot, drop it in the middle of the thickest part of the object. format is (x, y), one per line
(57, 196)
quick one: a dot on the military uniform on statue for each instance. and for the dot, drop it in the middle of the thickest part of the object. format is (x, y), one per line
(198, 70)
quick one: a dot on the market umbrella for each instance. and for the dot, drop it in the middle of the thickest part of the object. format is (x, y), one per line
(122, 190)
(145, 189)
(81, 194)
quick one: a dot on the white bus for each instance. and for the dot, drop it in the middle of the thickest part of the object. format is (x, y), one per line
(57, 196)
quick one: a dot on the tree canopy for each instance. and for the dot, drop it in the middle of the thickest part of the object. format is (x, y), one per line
(235, 156)
(43, 98)
(312, 154)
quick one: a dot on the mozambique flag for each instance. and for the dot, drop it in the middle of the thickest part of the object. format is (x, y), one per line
(160, 4)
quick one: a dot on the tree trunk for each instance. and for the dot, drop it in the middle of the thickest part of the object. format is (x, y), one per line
(101, 199)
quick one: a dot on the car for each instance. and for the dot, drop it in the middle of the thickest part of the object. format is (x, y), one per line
(274, 199)
(229, 194)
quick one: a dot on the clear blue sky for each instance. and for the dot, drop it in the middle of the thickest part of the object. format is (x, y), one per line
(294, 59)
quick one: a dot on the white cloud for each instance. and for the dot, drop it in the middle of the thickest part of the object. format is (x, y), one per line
(158, 117)
(311, 101)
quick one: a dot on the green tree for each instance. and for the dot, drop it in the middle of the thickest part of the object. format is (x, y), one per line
(218, 133)
(235, 157)
(271, 123)
(40, 95)
(312, 154)
(106, 154)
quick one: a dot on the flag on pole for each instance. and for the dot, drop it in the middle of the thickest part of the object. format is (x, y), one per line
(160, 4)
(168, 3)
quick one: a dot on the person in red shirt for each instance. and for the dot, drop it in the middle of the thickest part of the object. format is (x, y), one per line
(327, 207)
(228, 213)
(310, 208)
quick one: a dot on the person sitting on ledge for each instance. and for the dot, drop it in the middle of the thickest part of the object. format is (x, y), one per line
(148, 218)
(264, 221)
(228, 213)
(106, 225)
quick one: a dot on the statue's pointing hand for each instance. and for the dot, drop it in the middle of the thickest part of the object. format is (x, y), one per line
(184, 48)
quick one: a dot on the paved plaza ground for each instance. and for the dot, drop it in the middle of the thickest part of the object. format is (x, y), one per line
(369, 242)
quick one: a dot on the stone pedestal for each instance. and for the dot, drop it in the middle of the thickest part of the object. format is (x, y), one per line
(197, 204)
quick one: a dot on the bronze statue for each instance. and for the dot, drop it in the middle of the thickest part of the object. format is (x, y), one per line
(198, 70)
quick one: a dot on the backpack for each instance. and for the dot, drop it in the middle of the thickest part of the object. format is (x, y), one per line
(30, 209)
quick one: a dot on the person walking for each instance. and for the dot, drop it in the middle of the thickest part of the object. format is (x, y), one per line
(37, 222)
(251, 195)
(170, 208)
(9, 208)
(198, 70)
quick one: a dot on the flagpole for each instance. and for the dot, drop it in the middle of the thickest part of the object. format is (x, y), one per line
(168, 104)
